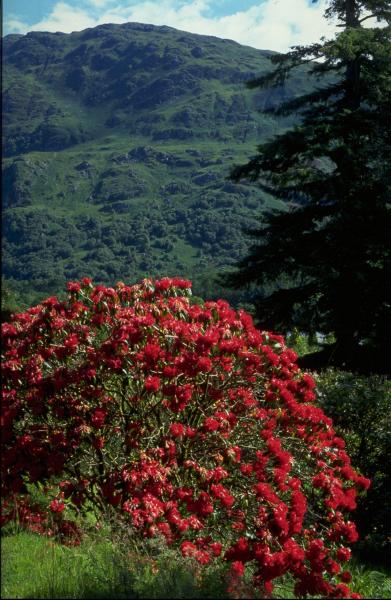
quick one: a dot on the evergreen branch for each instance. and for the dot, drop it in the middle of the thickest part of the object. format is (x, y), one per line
(319, 95)
(379, 15)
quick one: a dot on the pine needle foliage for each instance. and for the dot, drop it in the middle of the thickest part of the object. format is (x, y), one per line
(325, 261)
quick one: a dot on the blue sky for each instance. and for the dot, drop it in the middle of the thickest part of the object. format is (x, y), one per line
(264, 24)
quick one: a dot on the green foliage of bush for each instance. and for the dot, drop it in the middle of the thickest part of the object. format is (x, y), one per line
(361, 411)
(137, 404)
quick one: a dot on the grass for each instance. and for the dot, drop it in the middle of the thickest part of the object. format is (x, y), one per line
(370, 581)
(107, 567)
(36, 567)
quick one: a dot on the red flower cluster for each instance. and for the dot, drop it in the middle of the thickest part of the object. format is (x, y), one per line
(184, 419)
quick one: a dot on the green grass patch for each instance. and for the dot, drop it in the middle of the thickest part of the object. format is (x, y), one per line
(37, 567)
(108, 566)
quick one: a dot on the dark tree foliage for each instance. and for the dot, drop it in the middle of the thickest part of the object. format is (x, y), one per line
(328, 255)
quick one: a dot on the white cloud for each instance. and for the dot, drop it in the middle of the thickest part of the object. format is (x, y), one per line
(273, 24)
(15, 25)
(99, 3)
(65, 18)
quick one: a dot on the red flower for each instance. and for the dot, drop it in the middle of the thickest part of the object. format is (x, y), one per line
(220, 492)
(204, 364)
(188, 548)
(237, 568)
(152, 383)
(343, 554)
(211, 424)
(57, 506)
(216, 548)
(151, 353)
(203, 557)
(177, 429)
(73, 286)
(98, 417)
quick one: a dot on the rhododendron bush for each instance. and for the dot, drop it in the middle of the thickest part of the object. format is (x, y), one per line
(187, 422)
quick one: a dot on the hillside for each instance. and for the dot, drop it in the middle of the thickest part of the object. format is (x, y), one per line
(118, 141)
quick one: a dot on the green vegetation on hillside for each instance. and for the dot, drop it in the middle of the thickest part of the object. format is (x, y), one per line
(118, 145)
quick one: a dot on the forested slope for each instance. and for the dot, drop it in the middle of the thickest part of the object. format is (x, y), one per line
(118, 142)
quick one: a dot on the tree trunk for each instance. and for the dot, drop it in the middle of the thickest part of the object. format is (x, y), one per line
(352, 96)
(352, 14)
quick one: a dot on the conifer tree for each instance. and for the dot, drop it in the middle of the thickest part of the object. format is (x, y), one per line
(327, 257)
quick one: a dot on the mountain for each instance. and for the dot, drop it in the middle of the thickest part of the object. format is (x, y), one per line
(118, 141)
